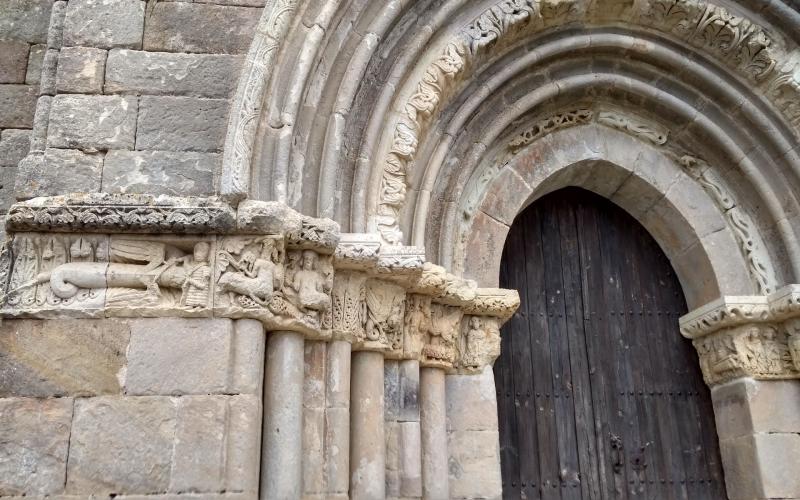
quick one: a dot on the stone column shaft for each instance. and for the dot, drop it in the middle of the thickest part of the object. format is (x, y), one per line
(314, 419)
(433, 423)
(282, 459)
(367, 441)
(337, 420)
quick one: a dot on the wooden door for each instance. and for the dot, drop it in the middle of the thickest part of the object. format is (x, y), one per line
(599, 396)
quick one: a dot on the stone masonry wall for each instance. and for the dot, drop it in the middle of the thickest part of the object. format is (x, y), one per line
(134, 95)
(130, 407)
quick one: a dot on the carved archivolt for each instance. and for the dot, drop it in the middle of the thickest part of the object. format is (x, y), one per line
(732, 40)
(289, 271)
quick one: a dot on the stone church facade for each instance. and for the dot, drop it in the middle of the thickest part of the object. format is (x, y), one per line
(252, 247)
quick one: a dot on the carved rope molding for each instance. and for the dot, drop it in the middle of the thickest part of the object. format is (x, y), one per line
(756, 336)
(748, 237)
(739, 43)
(263, 261)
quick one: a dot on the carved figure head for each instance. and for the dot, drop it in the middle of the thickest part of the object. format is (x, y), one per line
(474, 323)
(309, 260)
(201, 251)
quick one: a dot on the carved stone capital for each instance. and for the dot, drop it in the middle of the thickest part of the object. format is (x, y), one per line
(439, 347)
(479, 343)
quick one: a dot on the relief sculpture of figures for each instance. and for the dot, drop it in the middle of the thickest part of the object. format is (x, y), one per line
(480, 343)
(440, 345)
(308, 289)
(385, 314)
(254, 276)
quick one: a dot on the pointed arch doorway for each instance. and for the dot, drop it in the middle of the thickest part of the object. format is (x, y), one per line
(599, 396)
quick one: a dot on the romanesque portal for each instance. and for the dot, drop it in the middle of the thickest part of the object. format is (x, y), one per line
(253, 248)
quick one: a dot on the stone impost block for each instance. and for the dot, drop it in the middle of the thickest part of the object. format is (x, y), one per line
(762, 466)
(104, 23)
(13, 61)
(61, 171)
(183, 356)
(471, 402)
(181, 123)
(17, 105)
(746, 406)
(81, 70)
(159, 73)
(14, 145)
(62, 357)
(121, 445)
(474, 464)
(182, 27)
(34, 69)
(25, 20)
(160, 172)
(92, 122)
(34, 436)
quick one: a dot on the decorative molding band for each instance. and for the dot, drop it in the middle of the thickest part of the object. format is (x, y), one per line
(267, 262)
(739, 43)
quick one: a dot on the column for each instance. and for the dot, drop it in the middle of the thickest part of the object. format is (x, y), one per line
(433, 423)
(337, 421)
(403, 442)
(282, 459)
(314, 420)
(367, 441)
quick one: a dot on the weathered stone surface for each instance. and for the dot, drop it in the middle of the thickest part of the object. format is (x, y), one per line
(471, 402)
(182, 27)
(14, 145)
(104, 23)
(61, 171)
(159, 73)
(179, 356)
(243, 442)
(62, 357)
(80, 70)
(34, 436)
(246, 3)
(8, 176)
(35, 59)
(17, 106)
(47, 77)
(198, 461)
(249, 345)
(762, 466)
(181, 123)
(160, 172)
(121, 445)
(474, 464)
(92, 122)
(55, 33)
(13, 61)
(25, 20)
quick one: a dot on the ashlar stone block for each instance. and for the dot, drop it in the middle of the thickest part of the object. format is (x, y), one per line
(14, 145)
(160, 172)
(34, 436)
(13, 61)
(121, 445)
(61, 171)
(104, 23)
(183, 27)
(179, 356)
(81, 70)
(17, 105)
(159, 73)
(25, 20)
(92, 122)
(62, 357)
(181, 124)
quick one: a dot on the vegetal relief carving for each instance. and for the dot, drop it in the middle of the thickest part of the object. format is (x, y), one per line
(635, 126)
(46, 271)
(439, 348)
(758, 350)
(793, 341)
(349, 308)
(479, 343)
(385, 311)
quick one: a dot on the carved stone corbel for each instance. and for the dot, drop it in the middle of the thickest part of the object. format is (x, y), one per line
(479, 343)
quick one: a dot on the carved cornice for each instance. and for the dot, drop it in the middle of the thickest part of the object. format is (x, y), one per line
(121, 213)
